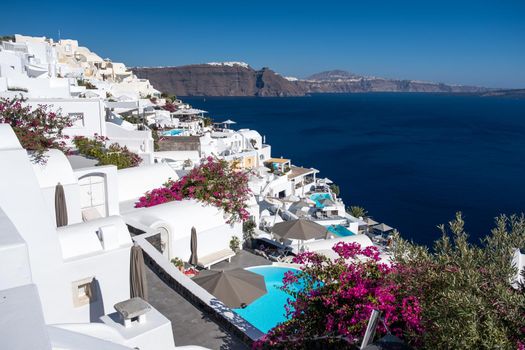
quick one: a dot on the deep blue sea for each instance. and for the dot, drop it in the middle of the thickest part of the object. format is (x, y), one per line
(412, 160)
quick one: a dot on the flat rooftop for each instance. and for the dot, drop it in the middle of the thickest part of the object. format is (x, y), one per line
(277, 160)
(297, 171)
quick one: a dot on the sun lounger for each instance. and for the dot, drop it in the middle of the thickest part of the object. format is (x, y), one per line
(261, 253)
(281, 258)
(287, 259)
(216, 257)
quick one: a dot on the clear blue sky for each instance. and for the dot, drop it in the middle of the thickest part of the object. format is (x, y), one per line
(470, 42)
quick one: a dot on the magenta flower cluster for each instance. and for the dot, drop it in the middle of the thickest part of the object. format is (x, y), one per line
(38, 129)
(214, 182)
(336, 298)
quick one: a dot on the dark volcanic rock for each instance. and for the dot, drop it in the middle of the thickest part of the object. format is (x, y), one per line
(219, 80)
(240, 80)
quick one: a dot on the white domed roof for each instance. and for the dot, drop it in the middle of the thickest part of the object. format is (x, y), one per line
(56, 169)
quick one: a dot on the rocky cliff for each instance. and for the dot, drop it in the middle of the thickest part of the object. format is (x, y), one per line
(342, 81)
(219, 80)
(239, 79)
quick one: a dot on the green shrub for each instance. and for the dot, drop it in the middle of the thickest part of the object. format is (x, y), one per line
(235, 243)
(335, 189)
(248, 229)
(86, 83)
(356, 211)
(466, 298)
(177, 262)
(115, 154)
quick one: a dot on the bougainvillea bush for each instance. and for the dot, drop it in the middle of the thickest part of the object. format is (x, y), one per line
(214, 182)
(336, 298)
(456, 296)
(38, 129)
(464, 289)
(115, 154)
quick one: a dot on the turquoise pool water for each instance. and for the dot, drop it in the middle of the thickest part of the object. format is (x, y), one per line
(340, 230)
(318, 197)
(267, 311)
(172, 132)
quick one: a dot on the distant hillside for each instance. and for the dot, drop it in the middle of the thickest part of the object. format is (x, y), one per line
(239, 79)
(515, 93)
(334, 75)
(228, 79)
(342, 81)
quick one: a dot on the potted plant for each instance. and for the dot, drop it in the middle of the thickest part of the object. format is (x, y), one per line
(178, 264)
(248, 232)
(235, 244)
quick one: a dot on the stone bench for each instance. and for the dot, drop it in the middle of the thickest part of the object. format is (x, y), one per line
(216, 257)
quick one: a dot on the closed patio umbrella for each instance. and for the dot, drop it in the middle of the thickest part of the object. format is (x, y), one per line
(138, 283)
(235, 288)
(60, 206)
(194, 260)
(383, 228)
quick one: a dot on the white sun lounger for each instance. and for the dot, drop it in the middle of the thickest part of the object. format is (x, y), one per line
(216, 257)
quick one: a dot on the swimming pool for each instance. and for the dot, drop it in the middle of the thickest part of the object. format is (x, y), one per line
(318, 197)
(267, 311)
(340, 230)
(172, 132)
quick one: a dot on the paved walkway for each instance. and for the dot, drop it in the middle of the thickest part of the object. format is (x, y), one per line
(190, 325)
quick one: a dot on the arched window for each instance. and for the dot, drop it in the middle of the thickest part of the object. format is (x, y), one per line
(93, 194)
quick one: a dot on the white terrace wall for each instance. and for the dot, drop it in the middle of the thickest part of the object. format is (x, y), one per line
(108, 265)
(139, 141)
(24, 204)
(134, 182)
(280, 184)
(209, 241)
(178, 217)
(15, 271)
(57, 169)
(264, 153)
(91, 111)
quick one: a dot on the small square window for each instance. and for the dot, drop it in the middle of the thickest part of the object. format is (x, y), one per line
(83, 291)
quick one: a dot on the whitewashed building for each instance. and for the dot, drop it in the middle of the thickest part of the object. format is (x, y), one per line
(58, 285)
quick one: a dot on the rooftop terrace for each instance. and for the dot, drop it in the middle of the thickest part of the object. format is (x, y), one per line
(191, 325)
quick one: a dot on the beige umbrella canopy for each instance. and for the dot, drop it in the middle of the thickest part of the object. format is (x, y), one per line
(138, 283)
(300, 229)
(383, 228)
(60, 206)
(327, 202)
(370, 221)
(235, 288)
